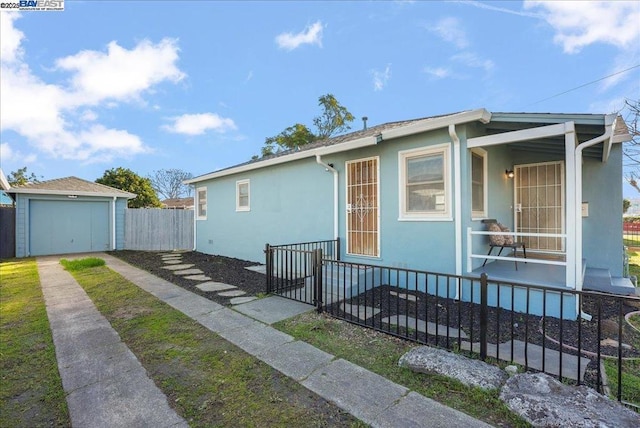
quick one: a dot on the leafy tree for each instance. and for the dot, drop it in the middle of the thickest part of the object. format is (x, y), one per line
(626, 204)
(334, 119)
(168, 183)
(632, 148)
(21, 177)
(129, 181)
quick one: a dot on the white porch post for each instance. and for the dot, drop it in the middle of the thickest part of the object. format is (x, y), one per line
(574, 258)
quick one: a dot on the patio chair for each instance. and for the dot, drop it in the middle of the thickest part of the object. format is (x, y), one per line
(503, 241)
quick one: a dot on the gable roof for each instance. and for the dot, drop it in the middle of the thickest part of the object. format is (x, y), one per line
(71, 186)
(178, 202)
(363, 138)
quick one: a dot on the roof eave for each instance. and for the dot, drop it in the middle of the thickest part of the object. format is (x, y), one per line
(26, 190)
(425, 125)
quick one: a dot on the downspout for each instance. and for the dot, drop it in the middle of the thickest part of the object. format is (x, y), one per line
(195, 215)
(457, 192)
(335, 193)
(609, 123)
(113, 224)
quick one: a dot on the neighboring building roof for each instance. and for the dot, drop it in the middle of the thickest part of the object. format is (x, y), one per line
(5, 199)
(71, 186)
(178, 203)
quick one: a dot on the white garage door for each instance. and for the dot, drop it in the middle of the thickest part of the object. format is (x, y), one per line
(61, 227)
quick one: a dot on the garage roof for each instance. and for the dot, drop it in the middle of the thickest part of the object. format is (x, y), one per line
(71, 186)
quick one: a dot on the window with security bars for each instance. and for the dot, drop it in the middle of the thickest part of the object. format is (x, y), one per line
(362, 207)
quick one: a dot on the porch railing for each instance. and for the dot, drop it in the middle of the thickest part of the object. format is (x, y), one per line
(471, 255)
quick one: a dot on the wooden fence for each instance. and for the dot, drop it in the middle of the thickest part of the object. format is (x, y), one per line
(7, 232)
(158, 229)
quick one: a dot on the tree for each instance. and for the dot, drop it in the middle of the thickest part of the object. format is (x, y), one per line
(129, 181)
(626, 204)
(21, 177)
(632, 148)
(334, 119)
(168, 183)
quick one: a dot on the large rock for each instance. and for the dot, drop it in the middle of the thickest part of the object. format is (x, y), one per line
(545, 402)
(470, 372)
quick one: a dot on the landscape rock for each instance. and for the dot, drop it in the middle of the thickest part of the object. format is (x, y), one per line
(470, 372)
(511, 370)
(545, 402)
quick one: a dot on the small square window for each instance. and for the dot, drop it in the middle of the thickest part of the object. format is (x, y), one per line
(201, 206)
(243, 191)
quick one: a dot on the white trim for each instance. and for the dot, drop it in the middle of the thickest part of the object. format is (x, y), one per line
(27, 190)
(457, 189)
(197, 203)
(346, 198)
(336, 211)
(403, 155)
(113, 223)
(479, 215)
(243, 208)
(516, 136)
(570, 140)
(481, 115)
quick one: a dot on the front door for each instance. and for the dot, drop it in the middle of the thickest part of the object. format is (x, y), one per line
(539, 196)
(363, 213)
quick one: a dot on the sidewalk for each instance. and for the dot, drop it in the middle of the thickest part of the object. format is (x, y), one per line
(366, 395)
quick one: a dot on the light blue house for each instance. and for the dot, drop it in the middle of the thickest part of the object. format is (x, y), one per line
(68, 215)
(414, 194)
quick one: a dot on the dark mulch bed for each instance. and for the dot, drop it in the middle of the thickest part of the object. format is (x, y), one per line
(218, 268)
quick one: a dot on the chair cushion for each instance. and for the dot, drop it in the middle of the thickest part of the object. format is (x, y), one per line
(496, 239)
(508, 239)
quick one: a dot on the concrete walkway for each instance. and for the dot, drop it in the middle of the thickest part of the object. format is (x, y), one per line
(366, 395)
(104, 383)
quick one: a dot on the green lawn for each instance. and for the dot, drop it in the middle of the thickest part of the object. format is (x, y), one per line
(208, 381)
(31, 391)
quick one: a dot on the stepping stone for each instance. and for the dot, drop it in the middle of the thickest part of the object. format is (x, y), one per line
(258, 268)
(360, 311)
(241, 300)
(172, 262)
(178, 267)
(405, 296)
(428, 327)
(215, 286)
(187, 272)
(171, 255)
(232, 293)
(198, 277)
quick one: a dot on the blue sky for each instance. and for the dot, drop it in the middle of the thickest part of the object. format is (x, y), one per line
(198, 85)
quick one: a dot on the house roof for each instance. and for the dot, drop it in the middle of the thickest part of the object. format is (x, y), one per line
(365, 137)
(71, 186)
(178, 202)
(495, 122)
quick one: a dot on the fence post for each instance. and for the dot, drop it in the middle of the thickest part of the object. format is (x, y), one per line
(337, 248)
(483, 316)
(269, 266)
(317, 275)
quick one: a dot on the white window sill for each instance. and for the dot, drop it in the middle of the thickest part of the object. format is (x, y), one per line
(425, 219)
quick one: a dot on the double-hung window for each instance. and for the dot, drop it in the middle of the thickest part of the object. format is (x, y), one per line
(243, 194)
(425, 183)
(478, 183)
(201, 205)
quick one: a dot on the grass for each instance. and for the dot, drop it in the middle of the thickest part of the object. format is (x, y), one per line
(80, 264)
(630, 379)
(207, 380)
(31, 392)
(380, 354)
(635, 321)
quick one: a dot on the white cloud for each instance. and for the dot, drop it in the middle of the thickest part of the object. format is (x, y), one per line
(198, 124)
(119, 73)
(56, 119)
(311, 35)
(471, 59)
(579, 24)
(450, 30)
(10, 38)
(249, 76)
(437, 72)
(380, 78)
(7, 153)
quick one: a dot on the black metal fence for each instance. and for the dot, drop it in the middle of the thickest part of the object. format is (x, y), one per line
(533, 326)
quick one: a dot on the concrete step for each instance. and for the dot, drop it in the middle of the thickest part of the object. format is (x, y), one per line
(600, 280)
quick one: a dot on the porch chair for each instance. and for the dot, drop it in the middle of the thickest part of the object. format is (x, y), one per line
(503, 241)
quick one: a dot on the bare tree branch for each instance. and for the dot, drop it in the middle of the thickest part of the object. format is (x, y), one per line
(168, 183)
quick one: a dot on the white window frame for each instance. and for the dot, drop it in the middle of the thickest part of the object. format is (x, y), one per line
(479, 215)
(199, 215)
(445, 151)
(247, 207)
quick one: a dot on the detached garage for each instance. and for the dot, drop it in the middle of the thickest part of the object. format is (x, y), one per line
(68, 215)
